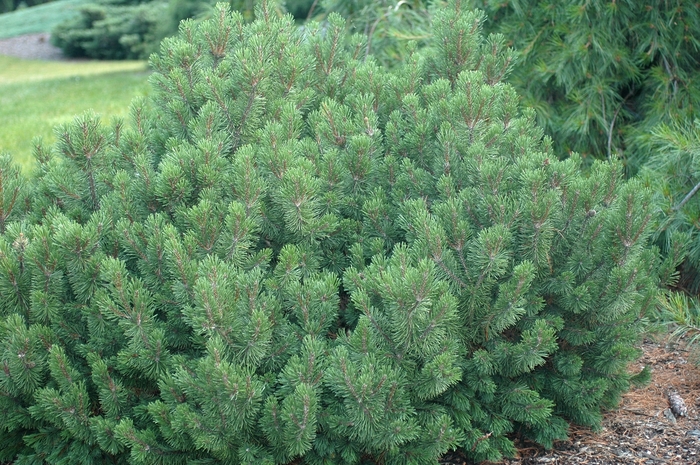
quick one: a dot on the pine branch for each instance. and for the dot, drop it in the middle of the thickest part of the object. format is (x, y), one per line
(610, 131)
(690, 194)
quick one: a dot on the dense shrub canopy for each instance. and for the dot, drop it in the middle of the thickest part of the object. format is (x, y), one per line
(616, 79)
(292, 251)
(110, 30)
(124, 29)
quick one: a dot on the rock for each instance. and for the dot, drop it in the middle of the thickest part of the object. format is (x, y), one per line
(670, 416)
(677, 404)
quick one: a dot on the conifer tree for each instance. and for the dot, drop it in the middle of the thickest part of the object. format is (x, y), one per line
(604, 75)
(674, 172)
(291, 253)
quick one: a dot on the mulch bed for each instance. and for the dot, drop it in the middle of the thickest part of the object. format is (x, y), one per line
(642, 431)
(31, 47)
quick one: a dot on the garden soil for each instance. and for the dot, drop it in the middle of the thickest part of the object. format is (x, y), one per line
(31, 47)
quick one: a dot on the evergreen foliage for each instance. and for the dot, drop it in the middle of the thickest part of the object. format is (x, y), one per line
(683, 315)
(602, 75)
(114, 30)
(674, 172)
(388, 25)
(294, 253)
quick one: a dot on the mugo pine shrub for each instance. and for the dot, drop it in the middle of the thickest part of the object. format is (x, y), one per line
(292, 254)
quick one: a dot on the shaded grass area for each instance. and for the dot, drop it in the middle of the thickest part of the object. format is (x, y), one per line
(40, 18)
(37, 96)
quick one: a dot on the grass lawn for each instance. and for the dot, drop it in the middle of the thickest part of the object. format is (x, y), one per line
(40, 18)
(35, 96)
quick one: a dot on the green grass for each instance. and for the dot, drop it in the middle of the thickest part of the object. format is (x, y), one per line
(35, 96)
(40, 18)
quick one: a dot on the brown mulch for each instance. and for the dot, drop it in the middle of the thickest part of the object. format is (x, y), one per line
(31, 47)
(642, 431)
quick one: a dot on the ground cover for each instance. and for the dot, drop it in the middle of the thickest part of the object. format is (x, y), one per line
(40, 18)
(35, 96)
